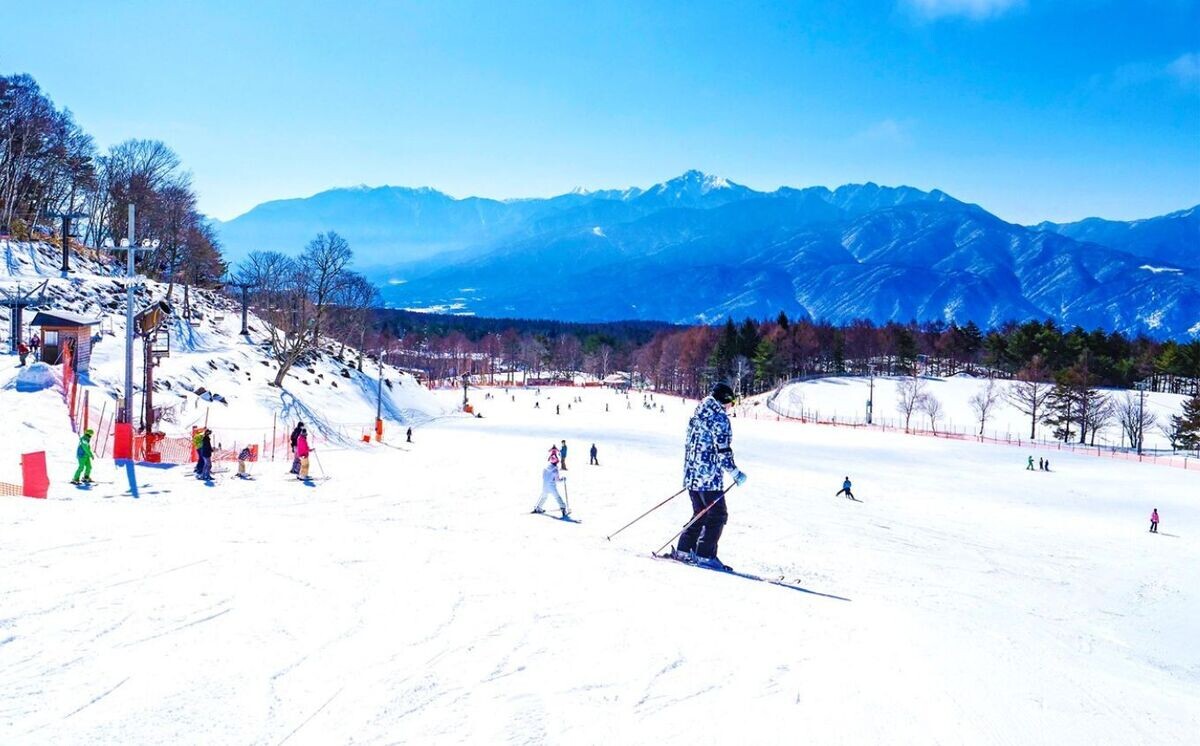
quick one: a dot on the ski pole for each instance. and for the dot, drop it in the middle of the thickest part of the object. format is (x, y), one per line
(643, 515)
(318, 458)
(697, 517)
(567, 496)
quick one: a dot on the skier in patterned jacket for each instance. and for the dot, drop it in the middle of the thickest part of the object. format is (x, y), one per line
(708, 454)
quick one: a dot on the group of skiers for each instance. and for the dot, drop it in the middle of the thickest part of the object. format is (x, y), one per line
(552, 477)
(1043, 464)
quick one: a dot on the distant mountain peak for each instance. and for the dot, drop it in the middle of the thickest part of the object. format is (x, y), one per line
(695, 179)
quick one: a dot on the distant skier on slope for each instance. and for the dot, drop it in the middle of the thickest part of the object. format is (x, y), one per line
(562, 454)
(243, 457)
(206, 454)
(197, 438)
(594, 461)
(296, 431)
(83, 456)
(1029, 466)
(708, 453)
(1154, 521)
(550, 480)
(846, 489)
(302, 451)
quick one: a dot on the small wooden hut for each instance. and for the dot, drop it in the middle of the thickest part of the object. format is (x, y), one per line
(62, 328)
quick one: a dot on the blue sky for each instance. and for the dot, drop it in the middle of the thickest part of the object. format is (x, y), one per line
(1035, 109)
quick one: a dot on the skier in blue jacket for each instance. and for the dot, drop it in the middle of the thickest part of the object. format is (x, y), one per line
(708, 454)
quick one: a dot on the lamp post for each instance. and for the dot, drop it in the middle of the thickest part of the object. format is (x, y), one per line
(130, 247)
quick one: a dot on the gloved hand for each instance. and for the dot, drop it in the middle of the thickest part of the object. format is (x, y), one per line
(739, 477)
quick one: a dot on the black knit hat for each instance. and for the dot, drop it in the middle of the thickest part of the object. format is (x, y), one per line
(723, 393)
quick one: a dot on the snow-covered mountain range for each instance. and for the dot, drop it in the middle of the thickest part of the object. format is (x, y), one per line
(701, 247)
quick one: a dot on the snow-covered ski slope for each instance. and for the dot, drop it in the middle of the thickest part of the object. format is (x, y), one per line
(413, 599)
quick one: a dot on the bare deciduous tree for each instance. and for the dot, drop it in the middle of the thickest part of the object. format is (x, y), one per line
(932, 407)
(910, 392)
(984, 402)
(1030, 392)
(1134, 418)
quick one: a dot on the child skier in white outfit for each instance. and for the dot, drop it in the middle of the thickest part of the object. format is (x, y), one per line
(550, 480)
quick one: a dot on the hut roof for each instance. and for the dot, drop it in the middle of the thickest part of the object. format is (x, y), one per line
(62, 319)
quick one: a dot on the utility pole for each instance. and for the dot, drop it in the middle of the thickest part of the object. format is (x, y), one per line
(127, 409)
(1141, 413)
(871, 396)
(130, 247)
(379, 395)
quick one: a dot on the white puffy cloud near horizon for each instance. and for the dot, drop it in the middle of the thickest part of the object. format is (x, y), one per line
(976, 9)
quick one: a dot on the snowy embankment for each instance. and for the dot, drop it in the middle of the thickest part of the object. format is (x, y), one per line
(845, 399)
(213, 376)
(413, 599)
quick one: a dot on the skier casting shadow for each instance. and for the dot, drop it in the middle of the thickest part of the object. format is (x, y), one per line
(707, 455)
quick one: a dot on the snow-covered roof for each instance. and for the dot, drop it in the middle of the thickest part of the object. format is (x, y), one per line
(62, 318)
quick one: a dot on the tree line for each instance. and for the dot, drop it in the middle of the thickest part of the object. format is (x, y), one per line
(1057, 375)
(49, 167)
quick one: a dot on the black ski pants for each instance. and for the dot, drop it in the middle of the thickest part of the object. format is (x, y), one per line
(703, 535)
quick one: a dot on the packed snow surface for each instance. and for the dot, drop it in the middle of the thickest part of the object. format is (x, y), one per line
(412, 598)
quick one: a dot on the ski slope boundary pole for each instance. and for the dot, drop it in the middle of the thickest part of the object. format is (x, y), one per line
(696, 517)
(643, 515)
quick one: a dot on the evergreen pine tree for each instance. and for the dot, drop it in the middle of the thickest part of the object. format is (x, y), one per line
(1187, 425)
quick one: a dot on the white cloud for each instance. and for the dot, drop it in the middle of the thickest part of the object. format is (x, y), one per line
(887, 132)
(1186, 69)
(977, 9)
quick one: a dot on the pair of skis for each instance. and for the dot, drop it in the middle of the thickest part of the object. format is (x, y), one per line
(781, 581)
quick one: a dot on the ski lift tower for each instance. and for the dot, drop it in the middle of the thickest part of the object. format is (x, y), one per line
(67, 217)
(246, 287)
(17, 301)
